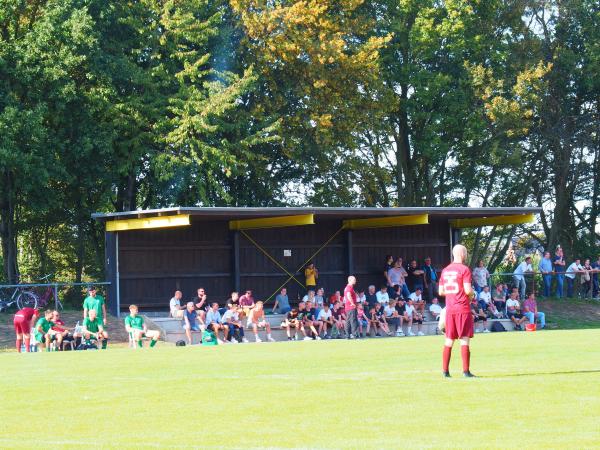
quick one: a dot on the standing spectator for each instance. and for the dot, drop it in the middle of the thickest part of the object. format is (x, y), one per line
(258, 321)
(389, 264)
(95, 301)
(311, 275)
(372, 296)
(231, 319)
(571, 274)
(414, 279)
(499, 298)
(382, 296)
(350, 302)
(430, 276)
(23, 322)
(282, 303)
(435, 309)
(530, 310)
(480, 276)
(397, 277)
(215, 323)
(586, 279)
(559, 268)
(191, 322)
(545, 267)
(596, 278)
(513, 311)
(175, 308)
(519, 275)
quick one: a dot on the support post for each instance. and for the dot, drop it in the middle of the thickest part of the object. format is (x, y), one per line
(236, 260)
(349, 253)
(111, 269)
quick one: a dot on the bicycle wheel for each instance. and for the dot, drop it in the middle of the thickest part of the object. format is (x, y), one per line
(27, 299)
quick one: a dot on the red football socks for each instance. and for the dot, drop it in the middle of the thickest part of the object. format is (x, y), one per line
(466, 357)
(19, 341)
(446, 358)
(28, 344)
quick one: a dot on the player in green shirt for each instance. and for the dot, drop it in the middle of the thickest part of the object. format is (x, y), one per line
(43, 330)
(96, 302)
(94, 329)
(137, 329)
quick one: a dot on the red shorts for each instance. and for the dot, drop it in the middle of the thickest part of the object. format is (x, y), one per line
(459, 325)
(22, 325)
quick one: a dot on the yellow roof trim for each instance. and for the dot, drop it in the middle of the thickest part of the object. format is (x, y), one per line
(385, 222)
(272, 222)
(492, 221)
(179, 220)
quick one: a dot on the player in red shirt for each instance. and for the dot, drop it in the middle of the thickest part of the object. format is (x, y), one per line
(24, 320)
(455, 285)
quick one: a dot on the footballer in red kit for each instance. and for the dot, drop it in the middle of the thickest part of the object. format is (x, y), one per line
(455, 285)
(23, 322)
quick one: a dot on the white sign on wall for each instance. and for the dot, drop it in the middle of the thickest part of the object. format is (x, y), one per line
(287, 253)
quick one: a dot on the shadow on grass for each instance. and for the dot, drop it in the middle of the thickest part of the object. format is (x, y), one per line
(534, 374)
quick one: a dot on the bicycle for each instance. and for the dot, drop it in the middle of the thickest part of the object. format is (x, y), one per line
(23, 297)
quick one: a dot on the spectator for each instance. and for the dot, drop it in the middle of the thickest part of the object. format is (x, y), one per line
(389, 264)
(350, 304)
(435, 309)
(137, 329)
(586, 279)
(215, 323)
(201, 303)
(61, 333)
(309, 319)
(380, 314)
(485, 298)
(258, 321)
(360, 296)
(309, 297)
(479, 316)
(513, 311)
(391, 316)
(372, 297)
(247, 303)
(93, 329)
(397, 277)
(401, 310)
(417, 298)
(325, 321)
(95, 301)
(431, 279)
(175, 308)
(362, 320)
(320, 298)
(303, 317)
(545, 267)
(231, 319)
(234, 299)
(382, 296)
(519, 275)
(596, 279)
(292, 320)
(414, 279)
(335, 297)
(191, 322)
(373, 322)
(559, 269)
(311, 275)
(571, 274)
(530, 310)
(282, 303)
(414, 317)
(339, 318)
(480, 276)
(499, 298)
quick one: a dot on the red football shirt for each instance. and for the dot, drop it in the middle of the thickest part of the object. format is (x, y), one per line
(452, 278)
(349, 305)
(25, 313)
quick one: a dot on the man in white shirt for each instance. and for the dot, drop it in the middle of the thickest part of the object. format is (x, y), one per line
(383, 296)
(215, 323)
(391, 317)
(572, 271)
(175, 308)
(435, 309)
(325, 321)
(231, 319)
(417, 298)
(513, 311)
(519, 275)
(480, 276)
(412, 313)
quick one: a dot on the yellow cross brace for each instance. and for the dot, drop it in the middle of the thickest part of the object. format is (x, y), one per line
(492, 221)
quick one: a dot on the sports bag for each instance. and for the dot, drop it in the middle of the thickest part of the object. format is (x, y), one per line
(497, 327)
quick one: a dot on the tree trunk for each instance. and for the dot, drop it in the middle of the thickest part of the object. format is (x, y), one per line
(8, 233)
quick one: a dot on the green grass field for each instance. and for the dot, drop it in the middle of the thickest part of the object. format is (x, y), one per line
(534, 390)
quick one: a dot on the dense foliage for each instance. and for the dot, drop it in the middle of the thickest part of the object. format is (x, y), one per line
(121, 105)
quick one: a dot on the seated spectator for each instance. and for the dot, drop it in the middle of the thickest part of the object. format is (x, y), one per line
(231, 319)
(309, 297)
(93, 329)
(417, 298)
(175, 308)
(259, 321)
(404, 318)
(479, 316)
(414, 317)
(494, 312)
(61, 334)
(530, 310)
(380, 314)
(234, 299)
(513, 311)
(282, 303)
(137, 329)
(485, 297)
(191, 321)
(43, 329)
(320, 298)
(435, 309)
(304, 317)
(309, 320)
(335, 297)
(499, 298)
(201, 302)
(325, 321)
(339, 319)
(360, 296)
(382, 296)
(391, 316)
(372, 323)
(363, 320)
(293, 320)
(371, 297)
(214, 322)
(247, 302)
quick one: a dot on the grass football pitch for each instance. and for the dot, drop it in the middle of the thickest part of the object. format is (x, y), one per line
(534, 390)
